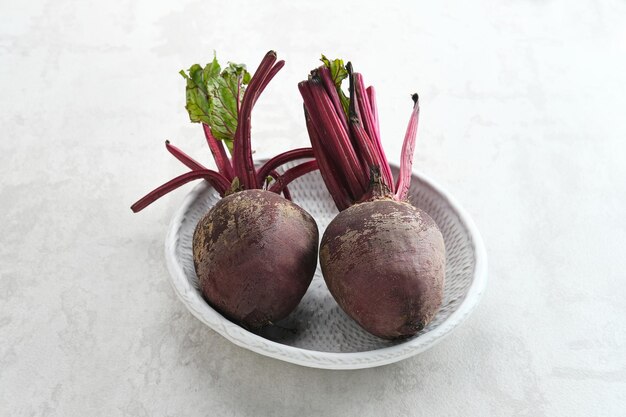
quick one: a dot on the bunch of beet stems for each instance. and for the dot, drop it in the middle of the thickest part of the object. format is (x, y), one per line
(347, 144)
(238, 172)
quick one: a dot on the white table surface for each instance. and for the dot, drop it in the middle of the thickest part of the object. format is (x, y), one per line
(523, 120)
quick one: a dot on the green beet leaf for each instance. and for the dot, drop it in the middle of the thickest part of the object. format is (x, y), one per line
(214, 97)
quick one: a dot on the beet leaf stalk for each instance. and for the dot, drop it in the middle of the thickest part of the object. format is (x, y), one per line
(221, 100)
(345, 135)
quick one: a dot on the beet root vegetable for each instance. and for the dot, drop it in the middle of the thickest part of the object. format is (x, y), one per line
(255, 254)
(383, 260)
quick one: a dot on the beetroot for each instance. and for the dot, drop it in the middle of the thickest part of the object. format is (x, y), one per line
(383, 260)
(255, 252)
(264, 238)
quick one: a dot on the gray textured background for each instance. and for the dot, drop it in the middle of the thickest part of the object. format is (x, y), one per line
(522, 120)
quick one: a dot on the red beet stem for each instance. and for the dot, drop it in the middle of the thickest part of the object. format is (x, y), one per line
(406, 163)
(219, 153)
(336, 187)
(271, 74)
(371, 95)
(216, 179)
(329, 85)
(371, 127)
(363, 144)
(183, 157)
(348, 157)
(274, 174)
(282, 159)
(292, 174)
(361, 139)
(240, 165)
(242, 159)
(333, 136)
(362, 100)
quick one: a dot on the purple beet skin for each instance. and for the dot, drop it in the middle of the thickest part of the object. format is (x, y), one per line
(255, 254)
(384, 263)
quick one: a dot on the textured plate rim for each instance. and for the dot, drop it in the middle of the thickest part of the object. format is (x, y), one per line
(318, 359)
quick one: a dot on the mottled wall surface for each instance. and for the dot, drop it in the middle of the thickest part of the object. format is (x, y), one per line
(522, 121)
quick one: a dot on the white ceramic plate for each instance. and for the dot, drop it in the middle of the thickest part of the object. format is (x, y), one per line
(325, 336)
